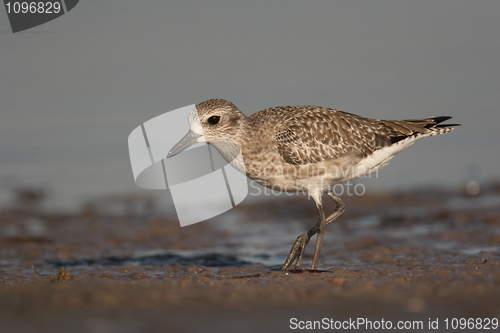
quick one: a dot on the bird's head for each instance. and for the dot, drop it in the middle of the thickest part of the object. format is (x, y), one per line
(212, 121)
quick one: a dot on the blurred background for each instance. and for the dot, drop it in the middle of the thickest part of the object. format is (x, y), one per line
(422, 242)
(74, 88)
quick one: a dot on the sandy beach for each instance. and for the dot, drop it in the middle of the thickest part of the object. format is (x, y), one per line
(407, 258)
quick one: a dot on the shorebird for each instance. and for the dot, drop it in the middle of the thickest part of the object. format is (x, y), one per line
(305, 148)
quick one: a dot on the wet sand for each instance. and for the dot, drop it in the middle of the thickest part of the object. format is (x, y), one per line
(414, 256)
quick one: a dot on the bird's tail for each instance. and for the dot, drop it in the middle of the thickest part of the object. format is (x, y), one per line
(402, 129)
(433, 124)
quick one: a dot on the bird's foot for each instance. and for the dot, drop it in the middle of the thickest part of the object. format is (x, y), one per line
(297, 251)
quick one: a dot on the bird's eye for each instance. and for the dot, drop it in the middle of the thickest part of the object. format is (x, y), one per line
(214, 120)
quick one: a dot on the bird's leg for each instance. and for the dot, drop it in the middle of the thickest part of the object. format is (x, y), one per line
(320, 230)
(301, 242)
(299, 247)
(339, 210)
(322, 223)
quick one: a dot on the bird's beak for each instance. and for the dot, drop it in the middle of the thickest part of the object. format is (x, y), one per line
(188, 140)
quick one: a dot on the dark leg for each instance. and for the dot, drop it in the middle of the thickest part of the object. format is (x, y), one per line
(299, 247)
(339, 210)
(320, 230)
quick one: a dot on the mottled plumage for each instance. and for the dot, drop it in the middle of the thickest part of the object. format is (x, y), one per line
(305, 148)
(308, 134)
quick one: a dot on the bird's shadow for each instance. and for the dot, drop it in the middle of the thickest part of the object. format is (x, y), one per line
(207, 260)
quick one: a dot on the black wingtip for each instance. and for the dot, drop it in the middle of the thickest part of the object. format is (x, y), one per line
(440, 119)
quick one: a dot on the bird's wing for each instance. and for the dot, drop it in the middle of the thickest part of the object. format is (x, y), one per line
(312, 134)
